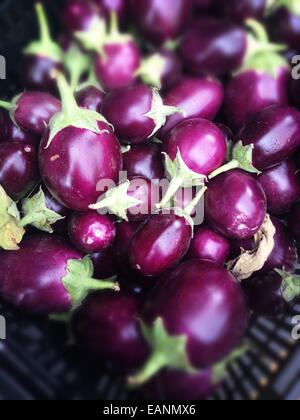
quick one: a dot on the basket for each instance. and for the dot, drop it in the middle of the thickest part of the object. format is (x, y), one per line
(37, 364)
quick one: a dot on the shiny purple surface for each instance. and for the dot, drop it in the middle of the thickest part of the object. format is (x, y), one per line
(172, 70)
(241, 10)
(118, 66)
(125, 109)
(281, 185)
(212, 47)
(275, 133)
(205, 303)
(202, 145)
(285, 27)
(161, 21)
(13, 133)
(261, 90)
(263, 294)
(90, 98)
(108, 6)
(235, 204)
(78, 15)
(18, 169)
(147, 193)
(209, 246)
(294, 223)
(91, 232)
(197, 97)
(30, 278)
(36, 73)
(76, 161)
(144, 160)
(107, 326)
(34, 109)
(160, 243)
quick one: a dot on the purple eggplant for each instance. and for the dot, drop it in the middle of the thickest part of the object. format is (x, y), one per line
(32, 110)
(109, 6)
(144, 160)
(80, 15)
(104, 263)
(209, 246)
(163, 240)
(186, 326)
(18, 169)
(294, 223)
(197, 97)
(235, 204)
(264, 296)
(107, 326)
(281, 185)
(275, 134)
(193, 149)
(91, 232)
(13, 133)
(46, 275)
(160, 22)
(184, 197)
(137, 112)
(90, 97)
(125, 233)
(162, 69)
(284, 22)
(133, 200)
(41, 58)
(213, 47)
(241, 10)
(73, 134)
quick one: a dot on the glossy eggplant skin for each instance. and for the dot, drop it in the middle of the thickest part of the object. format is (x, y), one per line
(275, 133)
(285, 27)
(235, 204)
(281, 185)
(241, 10)
(36, 72)
(161, 242)
(30, 278)
(161, 21)
(12, 133)
(90, 98)
(107, 326)
(294, 223)
(78, 15)
(201, 144)
(34, 109)
(261, 90)
(212, 47)
(172, 71)
(144, 160)
(91, 232)
(263, 294)
(72, 179)
(186, 302)
(19, 171)
(181, 386)
(198, 97)
(147, 193)
(208, 245)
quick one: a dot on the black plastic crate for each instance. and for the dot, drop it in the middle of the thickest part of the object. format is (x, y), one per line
(35, 361)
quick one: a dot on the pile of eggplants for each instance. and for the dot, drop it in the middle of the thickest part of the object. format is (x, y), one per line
(136, 117)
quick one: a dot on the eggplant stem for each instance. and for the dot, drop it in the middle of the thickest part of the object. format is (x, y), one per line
(174, 186)
(6, 105)
(156, 362)
(93, 284)
(67, 97)
(190, 207)
(225, 168)
(43, 24)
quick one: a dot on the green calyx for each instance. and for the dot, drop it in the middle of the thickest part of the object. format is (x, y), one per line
(159, 112)
(242, 158)
(180, 176)
(45, 47)
(93, 38)
(36, 213)
(151, 70)
(76, 63)
(90, 81)
(290, 287)
(11, 107)
(72, 114)
(11, 233)
(262, 54)
(292, 5)
(117, 201)
(79, 281)
(167, 352)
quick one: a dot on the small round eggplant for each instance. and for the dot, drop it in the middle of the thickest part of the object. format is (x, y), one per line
(200, 98)
(90, 97)
(125, 233)
(235, 205)
(275, 134)
(104, 263)
(18, 169)
(91, 232)
(13, 133)
(209, 246)
(117, 6)
(284, 23)
(281, 185)
(79, 15)
(107, 326)
(46, 275)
